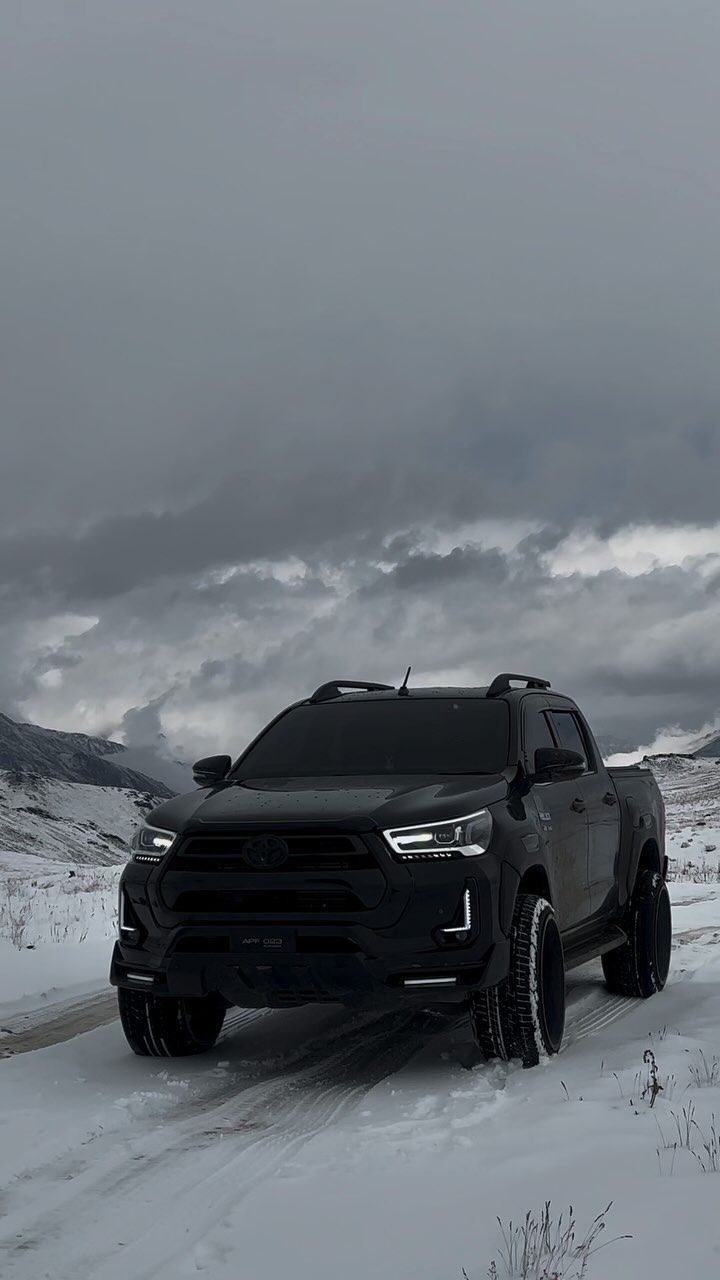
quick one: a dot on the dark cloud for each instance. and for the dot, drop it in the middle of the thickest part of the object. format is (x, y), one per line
(246, 517)
(333, 281)
(260, 241)
(420, 571)
(56, 662)
(638, 650)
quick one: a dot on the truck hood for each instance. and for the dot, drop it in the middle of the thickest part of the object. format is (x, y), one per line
(354, 803)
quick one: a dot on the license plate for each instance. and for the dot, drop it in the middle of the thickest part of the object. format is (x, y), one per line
(265, 941)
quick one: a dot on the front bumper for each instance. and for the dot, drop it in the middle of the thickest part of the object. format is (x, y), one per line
(258, 981)
(392, 952)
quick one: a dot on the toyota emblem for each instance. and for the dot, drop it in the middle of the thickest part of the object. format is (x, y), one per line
(265, 852)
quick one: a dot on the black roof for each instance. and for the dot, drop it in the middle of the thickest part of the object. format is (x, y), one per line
(389, 695)
(358, 691)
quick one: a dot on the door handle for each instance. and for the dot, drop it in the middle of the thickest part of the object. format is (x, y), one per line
(578, 805)
(609, 798)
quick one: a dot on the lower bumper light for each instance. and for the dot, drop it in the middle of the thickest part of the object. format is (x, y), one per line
(128, 927)
(462, 931)
(140, 977)
(429, 982)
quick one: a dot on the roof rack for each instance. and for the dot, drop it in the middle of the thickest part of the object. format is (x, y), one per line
(501, 683)
(334, 688)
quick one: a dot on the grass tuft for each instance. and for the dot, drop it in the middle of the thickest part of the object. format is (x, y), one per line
(545, 1248)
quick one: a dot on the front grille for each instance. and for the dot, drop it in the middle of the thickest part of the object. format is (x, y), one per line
(325, 872)
(267, 903)
(306, 944)
(307, 851)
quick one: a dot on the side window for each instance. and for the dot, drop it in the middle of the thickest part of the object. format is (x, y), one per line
(568, 733)
(536, 732)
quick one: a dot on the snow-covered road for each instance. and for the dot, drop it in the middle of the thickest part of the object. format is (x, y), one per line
(318, 1143)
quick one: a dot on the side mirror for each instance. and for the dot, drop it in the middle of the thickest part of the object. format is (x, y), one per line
(557, 762)
(211, 769)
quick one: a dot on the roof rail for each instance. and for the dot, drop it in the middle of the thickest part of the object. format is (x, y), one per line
(501, 683)
(333, 688)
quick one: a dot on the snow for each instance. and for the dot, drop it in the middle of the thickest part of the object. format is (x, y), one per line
(323, 1144)
(56, 929)
(68, 821)
(317, 1143)
(50, 973)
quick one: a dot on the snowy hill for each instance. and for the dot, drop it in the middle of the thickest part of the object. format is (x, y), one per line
(70, 821)
(27, 750)
(709, 746)
(69, 797)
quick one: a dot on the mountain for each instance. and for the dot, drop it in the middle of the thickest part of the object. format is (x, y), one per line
(74, 798)
(73, 822)
(611, 746)
(709, 746)
(28, 751)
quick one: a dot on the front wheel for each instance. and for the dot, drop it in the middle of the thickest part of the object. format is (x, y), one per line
(524, 1015)
(640, 967)
(169, 1026)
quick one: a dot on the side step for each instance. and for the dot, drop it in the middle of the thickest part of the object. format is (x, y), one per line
(594, 945)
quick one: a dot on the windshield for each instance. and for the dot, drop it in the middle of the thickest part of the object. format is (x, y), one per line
(384, 735)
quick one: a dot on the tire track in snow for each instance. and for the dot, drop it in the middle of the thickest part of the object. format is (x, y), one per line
(206, 1162)
(59, 1022)
(182, 1177)
(247, 1136)
(606, 1008)
(43, 1028)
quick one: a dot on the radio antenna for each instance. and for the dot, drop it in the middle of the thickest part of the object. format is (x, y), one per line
(403, 690)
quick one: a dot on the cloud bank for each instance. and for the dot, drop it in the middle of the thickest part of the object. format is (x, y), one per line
(336, 337)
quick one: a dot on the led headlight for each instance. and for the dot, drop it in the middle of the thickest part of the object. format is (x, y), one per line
(459, 838)
(150, 844)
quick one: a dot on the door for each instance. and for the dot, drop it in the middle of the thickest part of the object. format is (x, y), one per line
(562, 822)
(601, 810)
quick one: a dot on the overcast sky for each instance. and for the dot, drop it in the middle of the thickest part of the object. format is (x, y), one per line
(340, 336)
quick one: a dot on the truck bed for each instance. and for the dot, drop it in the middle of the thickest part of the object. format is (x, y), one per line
(623, 771)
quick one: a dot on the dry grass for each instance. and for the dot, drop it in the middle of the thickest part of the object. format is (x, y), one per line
(704, 1074)
(545, 1248)
(687, 1135)
(15, 913)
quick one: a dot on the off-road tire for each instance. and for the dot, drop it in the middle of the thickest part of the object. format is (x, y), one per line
(640, 967)
(524, 1015)
(169, 1027)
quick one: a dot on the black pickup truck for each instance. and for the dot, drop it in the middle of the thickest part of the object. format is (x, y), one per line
(384, 846)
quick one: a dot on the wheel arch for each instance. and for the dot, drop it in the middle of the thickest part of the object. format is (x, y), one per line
(532, 878)
(649, 859)
(535, 880)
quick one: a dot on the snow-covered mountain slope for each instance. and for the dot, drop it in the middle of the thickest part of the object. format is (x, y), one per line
(691, 791)
(29, 750)
(69, 821)
(709, 746)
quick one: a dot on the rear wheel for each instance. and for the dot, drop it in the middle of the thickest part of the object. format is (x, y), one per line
(168, 1026)
(640, 967)
(524, 1016)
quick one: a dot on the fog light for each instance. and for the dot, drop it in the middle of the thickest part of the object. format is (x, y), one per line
(462, 932)
(129, 930)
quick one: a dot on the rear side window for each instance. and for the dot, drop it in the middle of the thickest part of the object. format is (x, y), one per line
(568, 733)
(536, 734)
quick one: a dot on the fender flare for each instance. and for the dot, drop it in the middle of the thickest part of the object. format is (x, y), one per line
(642, 832)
